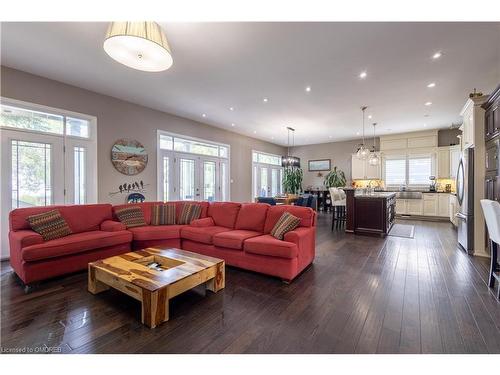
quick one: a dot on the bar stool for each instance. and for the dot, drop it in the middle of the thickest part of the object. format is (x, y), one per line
(338, 198)
(491, 210)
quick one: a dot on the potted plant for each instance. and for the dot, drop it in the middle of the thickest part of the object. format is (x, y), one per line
(336, 178)
(292, 180)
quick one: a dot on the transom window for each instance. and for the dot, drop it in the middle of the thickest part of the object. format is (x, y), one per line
(175, 143)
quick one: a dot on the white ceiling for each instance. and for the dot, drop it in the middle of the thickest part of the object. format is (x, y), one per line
(222, 65)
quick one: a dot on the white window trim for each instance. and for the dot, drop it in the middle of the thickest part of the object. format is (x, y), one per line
(159, 164)
(254, 164)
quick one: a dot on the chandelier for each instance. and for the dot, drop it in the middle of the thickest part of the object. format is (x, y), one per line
(362, 152)
(289, 161)
(138, 45)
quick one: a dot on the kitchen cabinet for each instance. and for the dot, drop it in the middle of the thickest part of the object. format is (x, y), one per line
(430, 204)
(362, 170)
(381, 209)
(492, 148)
(443, 205)
(414, 206)
(455, 153)
(443, 162)
(400, 206)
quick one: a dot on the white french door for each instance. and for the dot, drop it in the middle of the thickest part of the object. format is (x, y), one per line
(185, 176)
(267, 180)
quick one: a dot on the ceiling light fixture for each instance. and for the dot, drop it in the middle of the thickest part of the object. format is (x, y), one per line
(231, 108)
(138, 45)
(308, 89)
(232, 124)
(370, 117)
(373, 158)
(203, 115)
(255, 132)
(428, 103)
(265, 100)
(362, 152)
(289, 161)
(437, 55)
(363, 75)
(431, 85)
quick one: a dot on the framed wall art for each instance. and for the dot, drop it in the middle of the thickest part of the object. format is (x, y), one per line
(319, 165)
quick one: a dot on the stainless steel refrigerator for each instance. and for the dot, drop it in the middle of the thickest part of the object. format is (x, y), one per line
(465, 197)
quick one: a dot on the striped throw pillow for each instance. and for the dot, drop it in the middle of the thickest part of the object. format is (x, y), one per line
(163, 214)
(50, 225)
(131, 216)
(286, 223)
(190, 212)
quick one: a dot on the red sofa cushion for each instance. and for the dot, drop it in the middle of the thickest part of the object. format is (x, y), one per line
(252, 216)
(224, 213)
(202, 234)
(306, 214)
(80, 218)
(75, 243)
(268, 245)
(234, 238)
(156, 232)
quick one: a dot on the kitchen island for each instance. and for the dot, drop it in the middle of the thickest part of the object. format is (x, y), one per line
(370, 213)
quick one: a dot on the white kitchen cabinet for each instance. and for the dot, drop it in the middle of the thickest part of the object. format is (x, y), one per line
(362, 170)
(443, 170)
(430, 204)
(414, 206)
(454, 160)
(443, 205)
(400, 206)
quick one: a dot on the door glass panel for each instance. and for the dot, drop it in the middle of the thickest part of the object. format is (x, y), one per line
(263, 183)
(31, 174)
(186, 187)
(165, 179)
(209, 181)
(223, 182)
(79, 168)
(274, 182)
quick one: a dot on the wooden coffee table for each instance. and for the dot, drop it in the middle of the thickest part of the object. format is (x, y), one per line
(130, 274)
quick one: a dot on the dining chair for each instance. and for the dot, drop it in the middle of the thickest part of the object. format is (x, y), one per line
(268, 200)
(491, 210)
(338, 198)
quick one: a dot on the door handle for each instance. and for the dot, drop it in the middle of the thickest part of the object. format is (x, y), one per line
(460, 216)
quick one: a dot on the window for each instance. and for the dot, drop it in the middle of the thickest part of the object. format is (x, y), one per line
(79, 158)
(261, 157)
(408, 170)
(266, 175)
(191, 146)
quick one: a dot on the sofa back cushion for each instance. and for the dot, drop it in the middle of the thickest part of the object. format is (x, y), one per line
(224, 213)
(252, 216)
(307, 216)
(80, 218)
(147, 208)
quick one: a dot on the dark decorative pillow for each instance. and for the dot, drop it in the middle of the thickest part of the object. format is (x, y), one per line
(286, 223)
(163, 214)
(131, 216)
(50, 225)
(190, 212)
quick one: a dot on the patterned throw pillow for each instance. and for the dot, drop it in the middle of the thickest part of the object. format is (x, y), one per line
(163, 214)
(286, 223)
(50, 225)
(190, 212)
(131, 216)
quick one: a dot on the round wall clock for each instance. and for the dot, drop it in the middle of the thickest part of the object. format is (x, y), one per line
(129, 156)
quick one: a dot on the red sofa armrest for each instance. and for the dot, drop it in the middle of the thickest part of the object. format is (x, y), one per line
(23, 238)
(303, 237)
(112, 226)
(205, 222)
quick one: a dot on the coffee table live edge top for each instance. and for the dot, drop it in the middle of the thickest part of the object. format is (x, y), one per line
(127, 268)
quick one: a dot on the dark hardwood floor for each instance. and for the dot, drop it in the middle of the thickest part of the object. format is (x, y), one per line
(362, 295)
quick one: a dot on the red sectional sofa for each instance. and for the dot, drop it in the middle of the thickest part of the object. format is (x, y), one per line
(239, 233)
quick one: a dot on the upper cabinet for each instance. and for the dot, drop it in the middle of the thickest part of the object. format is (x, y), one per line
(448, 158)
(492, 115)
(362, 170)
(473, 126)
(405, 141)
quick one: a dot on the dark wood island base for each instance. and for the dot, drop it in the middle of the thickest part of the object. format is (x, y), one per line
(371, 214)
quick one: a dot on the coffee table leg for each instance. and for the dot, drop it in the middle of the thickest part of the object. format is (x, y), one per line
(94, 285)
(154, 307)
(219, 281)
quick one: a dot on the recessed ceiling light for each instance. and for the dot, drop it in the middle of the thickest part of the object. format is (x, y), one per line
(330, 136)
(203, 115)
(232, 124)
(265, 100)
(357, 133)
(428, 103)
(363, 75)
(425, 125)
(369, 116)
(231, 108)
(272, 137)
(437, 55)
(431, 85)
(308, 89)
(255, 132)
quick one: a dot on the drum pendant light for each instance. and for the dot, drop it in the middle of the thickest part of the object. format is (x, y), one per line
(138, 45)
(289, 161)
